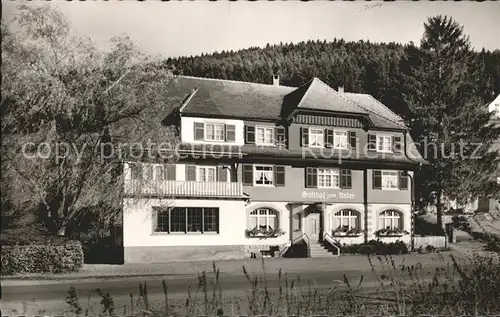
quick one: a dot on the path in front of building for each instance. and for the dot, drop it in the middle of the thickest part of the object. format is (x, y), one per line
(37, 296)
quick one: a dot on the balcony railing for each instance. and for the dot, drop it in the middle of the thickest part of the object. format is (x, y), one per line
(182, 188)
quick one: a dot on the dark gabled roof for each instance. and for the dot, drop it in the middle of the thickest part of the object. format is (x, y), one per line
(320, 96)
(218, 97)
(227, 98)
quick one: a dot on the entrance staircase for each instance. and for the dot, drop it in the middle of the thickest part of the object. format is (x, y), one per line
(318, 250)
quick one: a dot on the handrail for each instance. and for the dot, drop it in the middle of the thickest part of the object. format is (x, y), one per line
(290, 243)
(329, 238)
(308, 241)
(285, 248)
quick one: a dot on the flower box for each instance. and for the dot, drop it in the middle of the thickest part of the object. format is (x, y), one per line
(264, 233)
(345, 231)
(390, 232)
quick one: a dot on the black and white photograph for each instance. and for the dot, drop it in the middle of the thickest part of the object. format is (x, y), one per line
(250, 158)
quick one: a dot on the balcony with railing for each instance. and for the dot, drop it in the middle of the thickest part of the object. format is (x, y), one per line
(183, 188)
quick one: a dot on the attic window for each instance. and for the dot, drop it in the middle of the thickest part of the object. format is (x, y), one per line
(214, 131)
(316, 137)
(384, 143)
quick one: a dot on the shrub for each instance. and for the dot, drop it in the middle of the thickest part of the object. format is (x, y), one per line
(48, 258)
(430, 248)
(376, 247)
(426, 228)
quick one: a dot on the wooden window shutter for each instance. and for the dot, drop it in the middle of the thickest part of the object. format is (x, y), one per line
(247, 174)
(311, 177)
(280, 136)
(304, 137)
(377, 179)
(230, 132)
(170, 172)
(190, 173)
(372, 142)
(397, 145)
(221, 174)
(345, 179)
(199, 131)
(279, 176)
(250, 134)
(403, 181)
(352, 139)
(329, 138)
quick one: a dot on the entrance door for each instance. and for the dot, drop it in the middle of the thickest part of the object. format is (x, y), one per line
(312, 226)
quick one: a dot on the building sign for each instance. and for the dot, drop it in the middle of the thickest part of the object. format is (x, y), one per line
(324, 196)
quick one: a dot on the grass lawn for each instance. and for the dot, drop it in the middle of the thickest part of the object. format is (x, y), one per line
(455, 289)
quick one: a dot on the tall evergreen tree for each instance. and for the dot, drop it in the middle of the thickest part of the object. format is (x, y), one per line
(448, 116)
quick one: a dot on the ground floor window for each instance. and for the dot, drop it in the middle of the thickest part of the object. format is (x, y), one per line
(263, 218)
(187, 219)
(346, 218)
(391, 219)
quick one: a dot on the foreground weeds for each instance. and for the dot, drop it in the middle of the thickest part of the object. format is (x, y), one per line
(471, 287)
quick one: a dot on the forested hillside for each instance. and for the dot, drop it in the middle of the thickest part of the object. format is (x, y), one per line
(374, 68)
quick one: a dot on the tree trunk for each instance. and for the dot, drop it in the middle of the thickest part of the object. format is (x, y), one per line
(439, 209)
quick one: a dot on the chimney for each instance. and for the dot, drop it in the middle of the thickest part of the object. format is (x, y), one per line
(276, 80)
(341, 89)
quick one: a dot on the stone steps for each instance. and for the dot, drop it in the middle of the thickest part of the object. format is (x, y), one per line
(316, 250)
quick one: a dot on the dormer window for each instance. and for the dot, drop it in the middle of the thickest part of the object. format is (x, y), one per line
(384, 143)
(340, 140)
(264, 136)
(214, 131)
(329, 138)
(316, 137)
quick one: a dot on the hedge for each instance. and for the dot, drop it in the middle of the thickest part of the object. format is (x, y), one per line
(375, 247)
(48, 258)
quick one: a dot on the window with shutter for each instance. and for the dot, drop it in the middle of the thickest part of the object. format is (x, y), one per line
(230, 133)
(352, 139)
(304, 137)
(207, 173)
(280, 136)
(316, 137)
(345, 179)
(384, 143)
(263, 175)
(397, 144)
(377, 179)
(199, 131)
(328, 178)
(279, 176)
(247, 174)
(403, 180)
(390, 180)
(264, 136)
(372, 142)
(250, 134)
(311, 177)
(190, 173)
(341, 140)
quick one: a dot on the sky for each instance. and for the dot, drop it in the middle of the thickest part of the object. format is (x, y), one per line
(181, 28)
